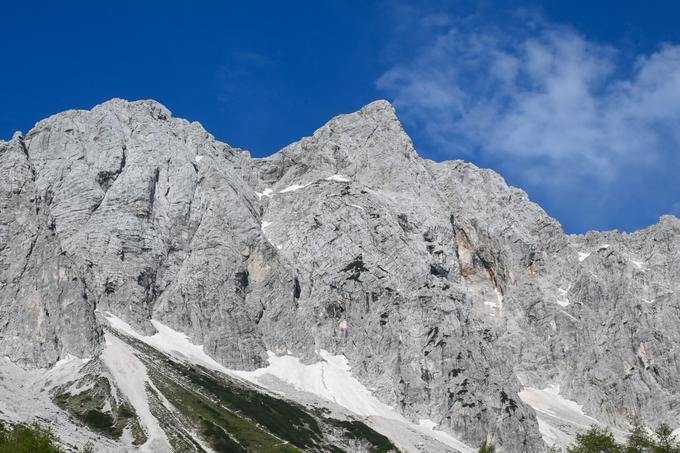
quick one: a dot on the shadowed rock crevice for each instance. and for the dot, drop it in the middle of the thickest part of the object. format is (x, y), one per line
(106, 178)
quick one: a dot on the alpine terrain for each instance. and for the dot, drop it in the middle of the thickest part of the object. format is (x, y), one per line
(161, 291)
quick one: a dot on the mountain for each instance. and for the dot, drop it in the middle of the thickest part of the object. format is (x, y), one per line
(163, 291)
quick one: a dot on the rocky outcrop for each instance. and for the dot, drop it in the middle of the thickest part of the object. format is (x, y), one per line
(447, 290)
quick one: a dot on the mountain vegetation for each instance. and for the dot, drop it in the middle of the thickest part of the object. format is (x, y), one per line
(640, 440)
(27, 439)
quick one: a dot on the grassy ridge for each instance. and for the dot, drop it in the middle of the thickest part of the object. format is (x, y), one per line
(88, 406)
(232, 416)
(225, 430)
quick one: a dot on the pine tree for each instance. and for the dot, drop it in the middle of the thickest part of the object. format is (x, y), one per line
(601, 440)
(596, 440)
(665, 441)
(27, 439)
(638, 440)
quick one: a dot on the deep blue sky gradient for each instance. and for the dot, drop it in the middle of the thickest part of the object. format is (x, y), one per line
(259, 75)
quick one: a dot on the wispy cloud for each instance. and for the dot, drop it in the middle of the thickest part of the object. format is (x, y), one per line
(543, 103)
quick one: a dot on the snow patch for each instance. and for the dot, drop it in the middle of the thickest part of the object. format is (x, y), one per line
(338, 178)
(263, 227)
(583, 255)
(411, 437)
(564, 301)
(170, 341)
(429, 427)
(131, 378)
(265, 193)
(559, 419)
(294, 187)
(199, 158)
(427, 424)
(357, 206)
(330, 378)
(174, 343)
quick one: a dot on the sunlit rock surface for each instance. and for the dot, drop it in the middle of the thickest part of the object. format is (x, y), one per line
(448, 292)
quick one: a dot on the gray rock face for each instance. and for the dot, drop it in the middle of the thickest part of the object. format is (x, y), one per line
(447, 290)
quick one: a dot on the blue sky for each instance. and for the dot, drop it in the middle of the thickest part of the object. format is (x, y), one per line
(576, 102)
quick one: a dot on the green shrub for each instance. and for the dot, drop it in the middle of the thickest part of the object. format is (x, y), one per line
(639, 440)
(665, 441)
(595, 440)
(27, 439)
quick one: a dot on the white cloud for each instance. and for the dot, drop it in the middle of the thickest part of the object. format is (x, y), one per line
(550, 106)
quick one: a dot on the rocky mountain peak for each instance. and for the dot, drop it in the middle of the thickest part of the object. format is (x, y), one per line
(149, 107)
(669, 220)
(451, 295)
(380, 111)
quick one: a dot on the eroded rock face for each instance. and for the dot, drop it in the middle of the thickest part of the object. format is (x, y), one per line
(447, 290)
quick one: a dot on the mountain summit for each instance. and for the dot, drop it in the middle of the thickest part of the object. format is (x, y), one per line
(144, 263)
